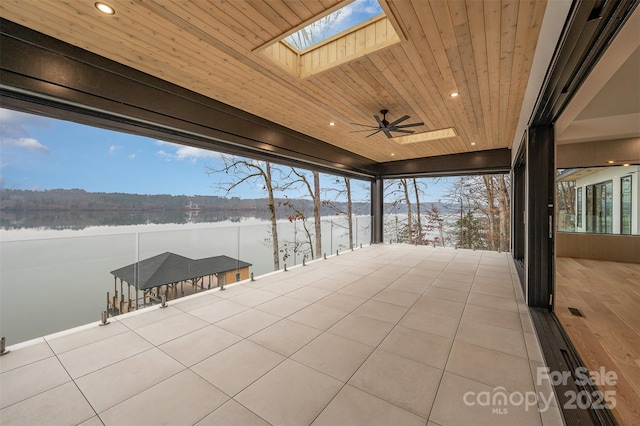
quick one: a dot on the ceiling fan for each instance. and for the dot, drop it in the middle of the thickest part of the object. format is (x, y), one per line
(386, 127)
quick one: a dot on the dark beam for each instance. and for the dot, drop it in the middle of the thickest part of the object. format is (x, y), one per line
(478, 162)
(40, 74)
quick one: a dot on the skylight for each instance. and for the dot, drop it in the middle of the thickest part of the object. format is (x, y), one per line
(328, 26)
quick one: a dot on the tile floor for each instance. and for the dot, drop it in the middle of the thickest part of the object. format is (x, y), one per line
(387, 334)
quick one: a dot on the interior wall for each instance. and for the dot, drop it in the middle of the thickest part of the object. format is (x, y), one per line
(617, 248)
(592, 154)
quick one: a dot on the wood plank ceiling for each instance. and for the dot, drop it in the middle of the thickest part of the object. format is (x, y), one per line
(482, 50)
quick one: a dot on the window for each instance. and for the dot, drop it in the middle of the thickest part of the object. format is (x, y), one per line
(579, 208)
(625, 205)
(600, 208)
(347, 17)
(358, 29)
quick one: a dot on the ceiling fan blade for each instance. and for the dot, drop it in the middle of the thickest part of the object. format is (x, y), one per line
(402, 126)
(368, 136)
(360, 131)
(403, 131)
(365, 125)
(399, 120)
(380, 123)
(388, 133)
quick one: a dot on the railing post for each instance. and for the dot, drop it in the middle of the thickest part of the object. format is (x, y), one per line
(105, 318)
(252, 279)
(3, 347)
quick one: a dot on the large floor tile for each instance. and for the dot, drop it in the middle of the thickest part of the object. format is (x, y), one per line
(248, 322)
(186, 399)
(489, 316)
(334, 355)
(62, 405)
(452, 295)
(490, 367)
(493, 290)
(309, 294)
(171, 328)
(24, 356)
(357, 408)
(343, 302)
(439, 306)
(89, 358)
(237, 366)
(452, 284)
(113, 384)
(403, 382)
(361, 329)
(285, 337)
(492, 337)
(381, 311)
(218, 311)
(318, 316)
(366, 288)
(396, 297)
(152, 315)
(195, 302)
(462, 401)
(290, 394)
(199, 345)
(283, 306)
(429, 322)
(30, 380)
(232, 414)
(93, 334)
(419, 346)
(413, 284)
(493, 302)
(253, 298)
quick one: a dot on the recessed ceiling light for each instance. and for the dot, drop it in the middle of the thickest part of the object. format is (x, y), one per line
(332, 124)
(454, 94)
(105, 8)
(626, 165)
(610, 161)
(473, 143)
(393, 154)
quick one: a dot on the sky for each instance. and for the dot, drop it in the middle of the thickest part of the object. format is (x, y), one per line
(346, 17)
(39, 153)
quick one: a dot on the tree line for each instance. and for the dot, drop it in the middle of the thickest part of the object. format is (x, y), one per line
(483, 201)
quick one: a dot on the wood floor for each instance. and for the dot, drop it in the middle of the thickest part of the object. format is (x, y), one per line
(608, 294)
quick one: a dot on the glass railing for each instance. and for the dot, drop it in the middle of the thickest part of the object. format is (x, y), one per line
(52, 284)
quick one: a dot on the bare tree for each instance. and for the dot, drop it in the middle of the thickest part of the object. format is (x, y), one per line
(420, 233)
(314, 32)
(399, 190)
(255, 172)
(295, 179)
(504, 201)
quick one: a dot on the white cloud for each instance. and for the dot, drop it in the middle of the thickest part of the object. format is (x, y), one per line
(29, 144)
(14, 130)
(182, 152)
(132, 157)
(113, 149)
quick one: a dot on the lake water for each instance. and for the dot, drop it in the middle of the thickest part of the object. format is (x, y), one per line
(52, 280)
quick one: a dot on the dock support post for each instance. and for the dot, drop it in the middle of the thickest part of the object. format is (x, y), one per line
(252, 279)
